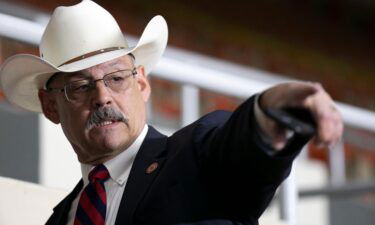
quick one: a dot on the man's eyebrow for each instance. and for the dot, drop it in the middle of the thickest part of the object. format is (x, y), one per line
(76, 75)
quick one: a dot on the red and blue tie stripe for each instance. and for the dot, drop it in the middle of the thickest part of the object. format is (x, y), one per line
(92, 204)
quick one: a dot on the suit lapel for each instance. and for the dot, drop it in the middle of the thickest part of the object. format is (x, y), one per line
(142, 174)
(60, 212)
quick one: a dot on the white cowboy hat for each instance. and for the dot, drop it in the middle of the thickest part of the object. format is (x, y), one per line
(76, 38)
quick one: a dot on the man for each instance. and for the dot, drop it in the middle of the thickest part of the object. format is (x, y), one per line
(222, 169)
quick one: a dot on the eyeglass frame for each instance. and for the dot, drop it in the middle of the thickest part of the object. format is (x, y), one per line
(91, 83)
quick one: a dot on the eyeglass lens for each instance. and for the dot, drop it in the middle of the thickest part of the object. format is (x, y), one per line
(80, 90)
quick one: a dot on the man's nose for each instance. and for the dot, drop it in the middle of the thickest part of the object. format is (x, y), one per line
(101, 94)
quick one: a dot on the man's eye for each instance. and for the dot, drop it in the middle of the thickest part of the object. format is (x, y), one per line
(81, 88)
(116, 79)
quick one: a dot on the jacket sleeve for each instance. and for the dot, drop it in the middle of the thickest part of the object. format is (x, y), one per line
(241, 173)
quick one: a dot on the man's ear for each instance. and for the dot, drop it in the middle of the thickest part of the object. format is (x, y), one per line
(143, 83)
(49, 107)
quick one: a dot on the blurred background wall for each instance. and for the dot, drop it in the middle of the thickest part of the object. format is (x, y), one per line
(328, 41)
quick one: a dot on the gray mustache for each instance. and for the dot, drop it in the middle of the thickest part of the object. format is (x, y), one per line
(105, 114)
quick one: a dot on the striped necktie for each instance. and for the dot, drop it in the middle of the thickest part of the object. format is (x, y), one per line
(92, 204)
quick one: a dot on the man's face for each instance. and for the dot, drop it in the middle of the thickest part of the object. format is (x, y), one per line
(106, 137)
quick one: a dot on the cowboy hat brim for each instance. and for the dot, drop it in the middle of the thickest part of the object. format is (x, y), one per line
(22, 75)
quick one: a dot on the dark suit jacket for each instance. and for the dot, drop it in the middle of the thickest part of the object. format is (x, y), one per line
(215, 169)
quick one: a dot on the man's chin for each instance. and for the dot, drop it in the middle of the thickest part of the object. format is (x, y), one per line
(97, 160)
(102, 152)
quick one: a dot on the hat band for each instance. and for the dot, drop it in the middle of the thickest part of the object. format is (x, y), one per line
(92, 54)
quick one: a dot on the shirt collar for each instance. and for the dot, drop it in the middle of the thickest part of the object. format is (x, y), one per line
(119, 167)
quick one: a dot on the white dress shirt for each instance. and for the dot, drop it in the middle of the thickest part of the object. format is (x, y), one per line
(119, 169)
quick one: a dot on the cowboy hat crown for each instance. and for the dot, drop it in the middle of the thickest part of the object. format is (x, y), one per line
(78, 30)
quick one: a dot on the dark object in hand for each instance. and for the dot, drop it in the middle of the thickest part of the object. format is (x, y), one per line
(298, 120)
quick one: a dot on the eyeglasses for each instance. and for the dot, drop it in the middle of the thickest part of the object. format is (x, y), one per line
(80, 90)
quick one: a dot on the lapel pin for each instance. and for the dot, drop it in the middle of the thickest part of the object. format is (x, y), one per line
(151, 168)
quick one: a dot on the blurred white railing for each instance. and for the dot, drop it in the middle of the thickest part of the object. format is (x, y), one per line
(197, 72)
